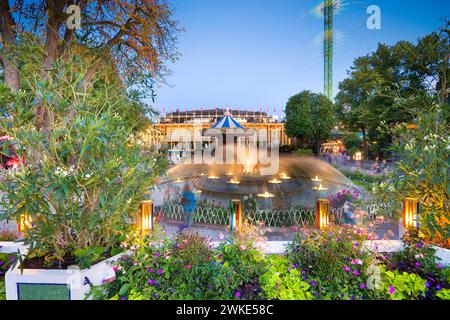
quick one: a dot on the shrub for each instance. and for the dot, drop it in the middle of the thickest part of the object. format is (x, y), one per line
(283, 281)
(402, 285)
(418, 257)
(183, 268)
(6, 260)
(337, 200)
(333, 262)
(304, 152)
(84, 176)
(244, 260)
(7, 233)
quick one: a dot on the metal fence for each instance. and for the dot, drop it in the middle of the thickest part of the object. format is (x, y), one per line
(270, 217)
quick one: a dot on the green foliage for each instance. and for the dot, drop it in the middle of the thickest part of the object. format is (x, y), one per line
(422, 172)
(183, 268)
(309, 115)
(385, 85)
(2, 289)
(443, 294)
(84, 176)
(86, 256)
(402, 285)
(352, 141)
(283, 281)
(333, 262)
(304, 152)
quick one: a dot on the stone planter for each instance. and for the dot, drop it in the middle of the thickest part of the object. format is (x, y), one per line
(72, 284)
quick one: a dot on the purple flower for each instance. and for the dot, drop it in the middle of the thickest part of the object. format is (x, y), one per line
(438, 287)
(427, 284)
(417, 264)
(347, 269)
(151, 282)
(391, 290)
(237, 294)
(157, 254)
(363, 286)
(313, 283)
(160, 271)
(440, 266)
(356, 273)
(419, 245)
(151, 270)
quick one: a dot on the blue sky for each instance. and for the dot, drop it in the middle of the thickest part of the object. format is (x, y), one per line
(257, 53)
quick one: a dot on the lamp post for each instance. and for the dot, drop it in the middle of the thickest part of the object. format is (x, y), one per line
(25, 223)
(235, 214)
(323, 213)
(146, 216)
(411, 210)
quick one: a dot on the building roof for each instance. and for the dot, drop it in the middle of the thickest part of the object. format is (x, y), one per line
(227, 122)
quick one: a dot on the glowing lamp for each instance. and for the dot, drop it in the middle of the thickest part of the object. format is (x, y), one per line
(265, 195)
(213, 177)
(411, 210)
(323, 213)
(275, 181)
(232, 181)
(316, 179)
(284, 176)
(235, 214)
(25, 223)
(146, 216)
(358, 156)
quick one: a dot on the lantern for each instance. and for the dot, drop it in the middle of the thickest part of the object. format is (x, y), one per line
(322, 215)
(146, 216)
(411, 210)
(235, 214)
(25, 223)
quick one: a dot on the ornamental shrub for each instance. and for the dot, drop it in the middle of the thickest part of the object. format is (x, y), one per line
(185, 268)
(333, 262)
(283, 281)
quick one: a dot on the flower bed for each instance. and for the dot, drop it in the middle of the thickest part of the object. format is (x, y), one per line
(317, 265)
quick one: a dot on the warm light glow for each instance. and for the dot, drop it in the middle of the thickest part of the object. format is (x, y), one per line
(213, 177)
(275, 181)
(230, 174)
(265, 195)
(358, 156)
(146, 216)
(284, 176)
(25, 223)
(411, 210)
(232, 181)
(322, 217)
(179, 181)
(316, 179)
(320, 188)
(236, 214)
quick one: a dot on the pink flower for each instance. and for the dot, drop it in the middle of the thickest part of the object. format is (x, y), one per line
(356, 273)
(188, 267)
(115, 268)
(243, 247)
(237, 294)
(347, 269)
(363, 286)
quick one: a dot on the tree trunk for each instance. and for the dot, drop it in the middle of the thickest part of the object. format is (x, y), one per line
(56, 17)
(10, 69)
(365, 146)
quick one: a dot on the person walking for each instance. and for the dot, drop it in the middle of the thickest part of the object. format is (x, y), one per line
(189, 204)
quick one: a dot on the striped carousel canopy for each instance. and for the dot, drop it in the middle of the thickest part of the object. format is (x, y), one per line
(227, 122)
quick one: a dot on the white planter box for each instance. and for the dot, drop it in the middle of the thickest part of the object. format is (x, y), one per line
(47, 284)
(13, 247)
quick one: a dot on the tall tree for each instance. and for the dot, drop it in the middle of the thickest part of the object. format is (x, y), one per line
(309, 116)
(138, 37)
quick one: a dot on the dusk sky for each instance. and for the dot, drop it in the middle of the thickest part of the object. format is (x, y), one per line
(257, 53)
